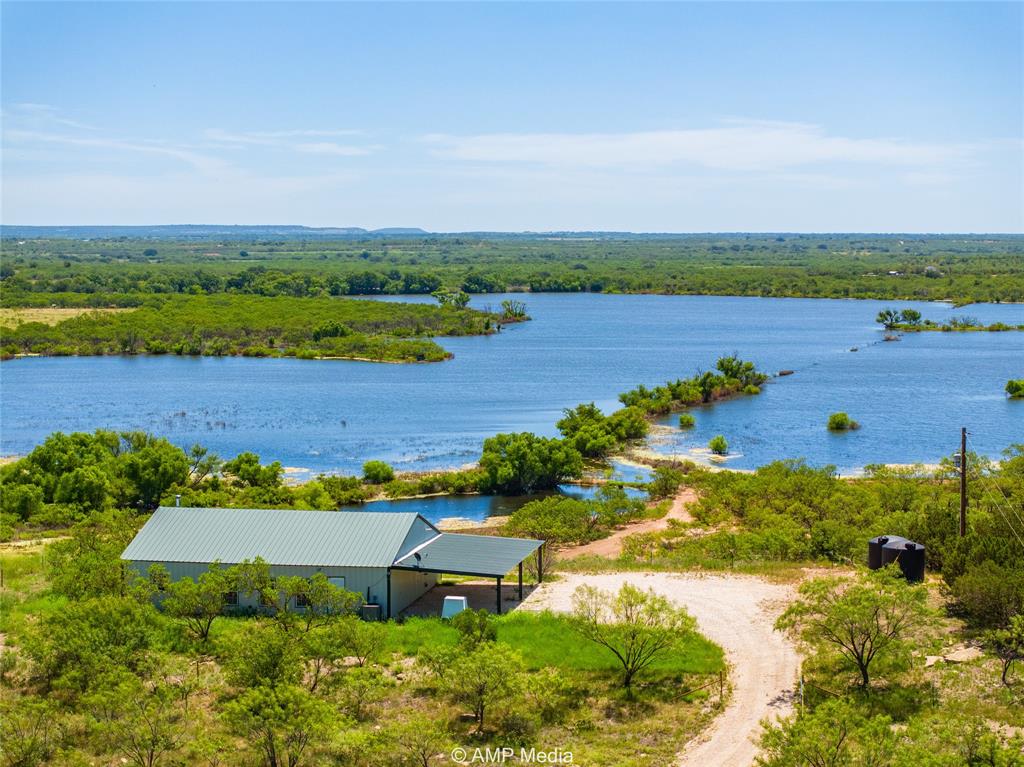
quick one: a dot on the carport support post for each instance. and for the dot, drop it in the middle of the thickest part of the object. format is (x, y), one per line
(540, 564)
(389, 593)
(499, 596)
(520, 581)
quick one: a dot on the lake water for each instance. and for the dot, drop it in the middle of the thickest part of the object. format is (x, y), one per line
(911, 396)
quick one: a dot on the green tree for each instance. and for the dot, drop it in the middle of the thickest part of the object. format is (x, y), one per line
(1015, 388)
(525, 463)
(377, 472)
(31, 732)
(1008, 645)
(145, 725)
(281, 721)
(197, 603)
(513, 310)
(247, 469)
(718, 445)
(358, 689)
(666, 482)
(475, 627)
(687, 421)
(202, 464)
(362, 640)
(487, 677)
(74, 647)
(310, 602)
(888, 318)
(637, 627)
(835, 734)
(910, 317)
(556, 518)
(152, 470)
(88, 563)
(420, 740)
(989, 594)
(87, 487)
(867, 621)
(263, 656)
(21, 501)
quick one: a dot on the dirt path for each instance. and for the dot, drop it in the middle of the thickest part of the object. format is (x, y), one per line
(612, 545)
(737, 613)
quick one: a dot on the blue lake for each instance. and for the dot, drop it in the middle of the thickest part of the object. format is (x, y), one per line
(910, 396)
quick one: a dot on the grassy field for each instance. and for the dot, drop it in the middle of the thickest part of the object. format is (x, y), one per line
(47, 315)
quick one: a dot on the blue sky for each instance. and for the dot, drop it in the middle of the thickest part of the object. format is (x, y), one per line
(454, 117)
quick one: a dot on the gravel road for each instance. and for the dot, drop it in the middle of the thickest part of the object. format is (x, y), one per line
(736, 612)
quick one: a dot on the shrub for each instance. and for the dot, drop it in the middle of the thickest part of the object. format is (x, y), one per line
(666, 482)
(718, 445)
(1015, 388)
(989, 595)
(841, 422)
(751, 389)
(377, 472)
(687, 421)
(555, 518)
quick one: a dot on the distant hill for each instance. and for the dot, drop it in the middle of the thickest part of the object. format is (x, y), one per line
(205, 232)
(236, 232)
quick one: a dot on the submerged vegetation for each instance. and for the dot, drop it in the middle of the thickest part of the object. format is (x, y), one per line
(718, 445)
(960, 268)
(253, 326)
(841, 422)
(910, 321)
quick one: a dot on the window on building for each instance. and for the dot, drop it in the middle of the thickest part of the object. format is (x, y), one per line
(301, 600)
(231, 598)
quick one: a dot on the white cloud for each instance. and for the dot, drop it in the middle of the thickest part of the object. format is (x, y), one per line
(327, 147)
(201, 162)
(735, 146)
(291, 140)
(46, 114)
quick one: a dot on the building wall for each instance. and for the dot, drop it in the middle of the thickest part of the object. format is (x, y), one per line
(407, 587)
(371, 583)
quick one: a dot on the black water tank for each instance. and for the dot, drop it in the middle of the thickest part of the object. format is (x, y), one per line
(910, 557)
(875, 546)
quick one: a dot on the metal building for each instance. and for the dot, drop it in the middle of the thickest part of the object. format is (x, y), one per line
(390, 559)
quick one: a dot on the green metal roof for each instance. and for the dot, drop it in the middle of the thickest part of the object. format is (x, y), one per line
(482, 555)
(281, 537)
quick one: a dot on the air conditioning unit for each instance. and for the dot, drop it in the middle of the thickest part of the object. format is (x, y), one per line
(369, 612)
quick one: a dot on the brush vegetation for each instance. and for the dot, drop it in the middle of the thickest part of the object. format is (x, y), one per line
(960, 268)
(254, 326)
(94, 673)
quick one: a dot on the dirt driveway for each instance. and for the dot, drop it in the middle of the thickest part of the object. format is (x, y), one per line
(736, 612)
(611, 546)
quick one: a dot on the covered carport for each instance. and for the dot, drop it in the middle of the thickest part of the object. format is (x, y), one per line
(472, 555)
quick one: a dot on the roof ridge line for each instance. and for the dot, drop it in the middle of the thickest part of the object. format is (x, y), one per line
(415, 549)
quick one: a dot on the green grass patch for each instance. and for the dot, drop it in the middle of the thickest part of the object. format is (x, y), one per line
(547, 639)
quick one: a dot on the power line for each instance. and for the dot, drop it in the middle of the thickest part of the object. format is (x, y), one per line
(997, 505)
(1009, 503)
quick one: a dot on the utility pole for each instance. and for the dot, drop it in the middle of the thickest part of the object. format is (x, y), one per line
(963, 482)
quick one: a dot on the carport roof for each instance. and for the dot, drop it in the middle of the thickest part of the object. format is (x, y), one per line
(483, 555)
